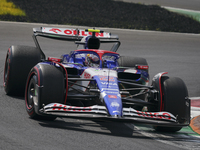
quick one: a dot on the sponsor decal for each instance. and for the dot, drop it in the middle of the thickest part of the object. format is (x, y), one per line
(71, 108)
(159, 115)
(87, 75)
(73, 32)
(106, 83)
(114, 104)
(105, 78)
(112, 96)
(55, 30)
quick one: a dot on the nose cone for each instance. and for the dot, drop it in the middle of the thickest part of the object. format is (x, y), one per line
(113, 103)
(110, 94)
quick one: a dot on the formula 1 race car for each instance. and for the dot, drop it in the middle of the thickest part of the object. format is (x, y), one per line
(90, 83)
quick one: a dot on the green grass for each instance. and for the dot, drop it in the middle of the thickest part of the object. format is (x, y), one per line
(8, 8)
(192, 14)
(97, 13)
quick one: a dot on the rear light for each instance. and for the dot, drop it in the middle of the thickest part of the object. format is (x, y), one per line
(143, 67)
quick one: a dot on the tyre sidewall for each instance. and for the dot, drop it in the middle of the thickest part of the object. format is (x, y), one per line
(19, 61)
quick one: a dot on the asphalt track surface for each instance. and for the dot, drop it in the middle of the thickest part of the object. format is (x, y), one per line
(173, 52)
(184, 4)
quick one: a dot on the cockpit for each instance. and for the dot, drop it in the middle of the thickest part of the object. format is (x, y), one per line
(96, 58)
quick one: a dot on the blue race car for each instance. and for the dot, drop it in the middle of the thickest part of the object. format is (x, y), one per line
(91, 83)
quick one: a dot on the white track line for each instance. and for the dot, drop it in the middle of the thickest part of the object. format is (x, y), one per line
(188, 10)
(155, 136)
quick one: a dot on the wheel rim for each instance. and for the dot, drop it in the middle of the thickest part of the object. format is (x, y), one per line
(32, 93)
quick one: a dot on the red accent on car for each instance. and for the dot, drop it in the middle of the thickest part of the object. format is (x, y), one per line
(99, 52)
(87, 75)
(68, 32)
(162, 115)
(83, 33)
(55, 30)
(142, 67)
(112, 96)
(71, 108)
(161, 93)
(54, 59)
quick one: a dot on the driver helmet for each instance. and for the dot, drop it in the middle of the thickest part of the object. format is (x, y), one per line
(91, 60)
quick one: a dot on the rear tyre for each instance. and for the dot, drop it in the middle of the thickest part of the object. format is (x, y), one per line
(127, 61)
(174, 101)
(19, 61)
(45, 85)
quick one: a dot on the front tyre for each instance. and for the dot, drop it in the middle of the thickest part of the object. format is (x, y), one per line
(45, 85)
(31, 95)
(174, 97)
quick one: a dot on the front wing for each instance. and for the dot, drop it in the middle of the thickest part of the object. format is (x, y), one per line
(97, 112)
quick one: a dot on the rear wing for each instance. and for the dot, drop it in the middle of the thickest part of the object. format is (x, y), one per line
(71, 34)
(75, 35)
